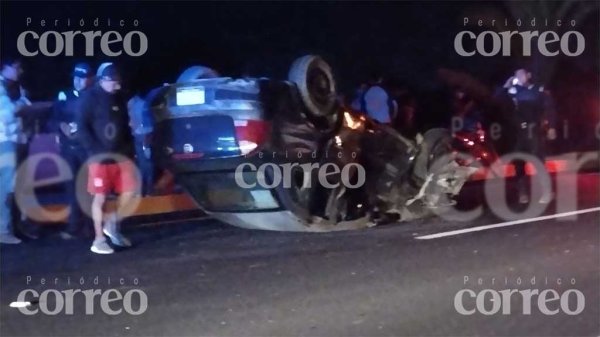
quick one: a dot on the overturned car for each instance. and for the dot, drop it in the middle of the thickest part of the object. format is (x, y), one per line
(286, 155)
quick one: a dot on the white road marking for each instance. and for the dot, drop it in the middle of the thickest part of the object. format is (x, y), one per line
(505, 224)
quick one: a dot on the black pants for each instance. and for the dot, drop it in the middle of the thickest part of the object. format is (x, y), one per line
(145, 166)
(75, 156)
(531, 142)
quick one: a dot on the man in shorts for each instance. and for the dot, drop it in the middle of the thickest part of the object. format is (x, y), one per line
(105, 134)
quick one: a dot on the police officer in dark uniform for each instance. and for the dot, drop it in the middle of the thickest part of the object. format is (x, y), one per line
(65, 117)
(535, 117)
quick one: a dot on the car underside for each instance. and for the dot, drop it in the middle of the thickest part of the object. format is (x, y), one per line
(253, 153)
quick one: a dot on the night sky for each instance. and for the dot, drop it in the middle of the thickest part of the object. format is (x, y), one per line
(406, 41)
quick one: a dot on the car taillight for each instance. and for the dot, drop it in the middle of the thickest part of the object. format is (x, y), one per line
(250, 134)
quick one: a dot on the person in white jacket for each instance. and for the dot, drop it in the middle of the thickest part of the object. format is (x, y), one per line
(11, 101)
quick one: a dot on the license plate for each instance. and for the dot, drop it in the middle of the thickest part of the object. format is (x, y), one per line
(190, 96)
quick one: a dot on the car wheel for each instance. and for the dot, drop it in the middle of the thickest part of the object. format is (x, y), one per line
(436, 144)
(196, 72)
(314, 79)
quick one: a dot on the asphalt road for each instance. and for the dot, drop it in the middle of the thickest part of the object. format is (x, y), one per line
(205, 278)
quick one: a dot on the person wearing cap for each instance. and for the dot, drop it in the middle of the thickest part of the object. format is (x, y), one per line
(11, 101)
(105, 134)
(536, 117)
(65, 124)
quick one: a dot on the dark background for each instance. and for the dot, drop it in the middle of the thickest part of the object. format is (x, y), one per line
(407, 41)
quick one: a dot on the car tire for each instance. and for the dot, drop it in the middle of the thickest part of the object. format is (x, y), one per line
(316, 86)
(196, 72)
(436, 143)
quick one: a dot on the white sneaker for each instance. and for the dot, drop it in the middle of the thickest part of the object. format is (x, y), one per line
(111, 229)
(101, 247)
(116, 238)
(9, 239)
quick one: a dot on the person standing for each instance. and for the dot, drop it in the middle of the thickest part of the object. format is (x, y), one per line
(533, 108)
(377, 103)
(65, 119)
(105, 133)
(10, 104)
(142, 124)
